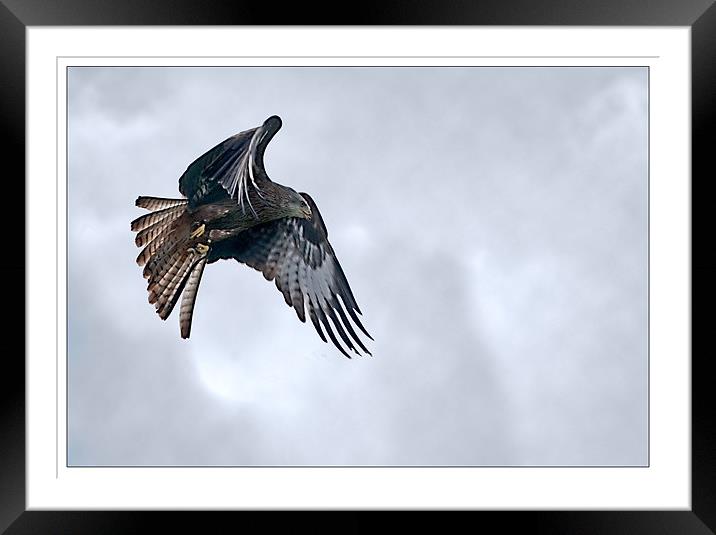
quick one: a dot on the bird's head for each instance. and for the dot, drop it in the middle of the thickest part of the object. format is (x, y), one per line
(296, 205)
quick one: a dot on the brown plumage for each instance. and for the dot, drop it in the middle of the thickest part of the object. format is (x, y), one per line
(232, 209)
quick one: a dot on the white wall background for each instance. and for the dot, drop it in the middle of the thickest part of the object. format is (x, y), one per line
(492, 223)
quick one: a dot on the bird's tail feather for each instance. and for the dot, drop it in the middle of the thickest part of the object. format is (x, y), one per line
(186, 310)
(158, 203)
(170, 261)
(156, 227)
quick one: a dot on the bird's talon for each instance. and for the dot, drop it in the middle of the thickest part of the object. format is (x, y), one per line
(198, 232)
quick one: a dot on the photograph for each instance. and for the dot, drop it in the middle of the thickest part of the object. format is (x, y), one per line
(406, 266)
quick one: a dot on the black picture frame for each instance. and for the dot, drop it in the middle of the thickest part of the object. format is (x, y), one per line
(16, 15)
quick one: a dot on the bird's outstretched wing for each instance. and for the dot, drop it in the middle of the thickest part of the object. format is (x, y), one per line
(297, 255)
(230, 168)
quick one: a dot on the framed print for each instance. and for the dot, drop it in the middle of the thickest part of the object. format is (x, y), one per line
(511, 207)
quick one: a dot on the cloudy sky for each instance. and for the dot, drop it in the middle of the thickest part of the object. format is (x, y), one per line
(492, 223)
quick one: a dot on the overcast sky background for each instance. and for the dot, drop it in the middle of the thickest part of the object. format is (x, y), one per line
(492, 223)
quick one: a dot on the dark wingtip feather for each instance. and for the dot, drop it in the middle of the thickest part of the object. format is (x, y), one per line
(301, 317)
(329, 331)
(357, 322)
(337, 306)
(316, 324)
(341, 332)
(274, 122)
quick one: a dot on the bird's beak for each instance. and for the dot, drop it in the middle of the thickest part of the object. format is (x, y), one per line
(307, 212)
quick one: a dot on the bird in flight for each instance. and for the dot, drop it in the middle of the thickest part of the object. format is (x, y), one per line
(231, 209)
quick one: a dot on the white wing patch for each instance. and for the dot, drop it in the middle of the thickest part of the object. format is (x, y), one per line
(236, 180)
